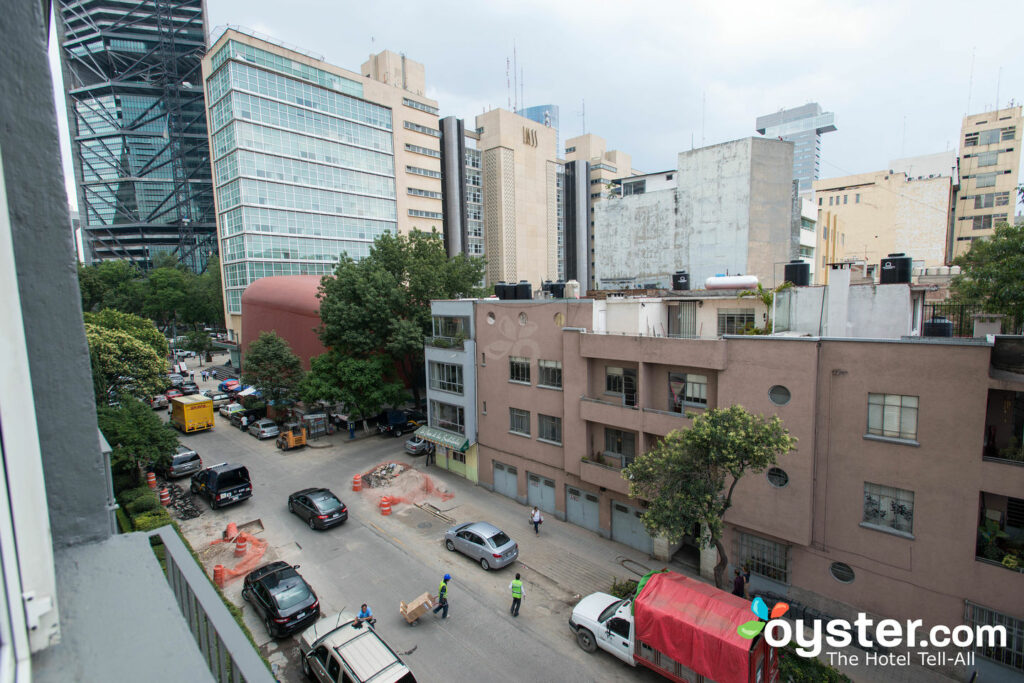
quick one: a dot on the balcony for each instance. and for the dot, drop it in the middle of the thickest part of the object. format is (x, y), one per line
(441, 342)
(661, 422)
(1004, 424)
(611, 412)
(1000, 539)
(603, 475)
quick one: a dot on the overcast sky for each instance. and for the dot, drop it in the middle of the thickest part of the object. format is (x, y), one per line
(657, 77)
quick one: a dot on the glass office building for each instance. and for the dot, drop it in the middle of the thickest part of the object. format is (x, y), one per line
(134, 96)
(304, 167)
(803, 126)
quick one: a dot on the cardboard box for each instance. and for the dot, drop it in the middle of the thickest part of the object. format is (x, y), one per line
(417, 608)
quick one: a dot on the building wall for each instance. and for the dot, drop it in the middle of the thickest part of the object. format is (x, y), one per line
(774, 211)
(635, 243)
(288, 306)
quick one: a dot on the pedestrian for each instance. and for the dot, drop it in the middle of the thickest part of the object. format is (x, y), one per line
(517, 595)
(431, 457)
(442, 596)
(537, 519)
(746, 580)
(245, 422)
(365, 614)
(737, 583)
(191, 376)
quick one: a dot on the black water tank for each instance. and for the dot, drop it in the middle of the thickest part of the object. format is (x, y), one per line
(896, 268)
(523, 290)
(681, 281)
(501, 290)
(557, 290)
(798, 272)
(938, 327)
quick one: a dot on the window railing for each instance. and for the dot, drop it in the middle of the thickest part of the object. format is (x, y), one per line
(225, 648)
(442, 342)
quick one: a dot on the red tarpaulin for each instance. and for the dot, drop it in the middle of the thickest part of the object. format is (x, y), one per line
(695, 624)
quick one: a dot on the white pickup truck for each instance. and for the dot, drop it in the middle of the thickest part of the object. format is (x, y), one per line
(336, 648)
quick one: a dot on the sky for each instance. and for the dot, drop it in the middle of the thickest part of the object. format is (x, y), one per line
(658, 78)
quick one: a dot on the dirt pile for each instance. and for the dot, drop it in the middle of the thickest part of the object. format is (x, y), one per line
(403, 484)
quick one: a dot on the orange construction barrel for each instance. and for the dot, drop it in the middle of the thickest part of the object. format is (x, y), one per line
(165, 497)
(385, 506)
(231, 532)
(357, 483)
(151, 480)
(218, 575)
(240, 546)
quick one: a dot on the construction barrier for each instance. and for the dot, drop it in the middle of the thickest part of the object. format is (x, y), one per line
(241, 547)
(151, 480)
(218, 575)
(231, 532)
(385, 506)
(357, 483)
(165, 497)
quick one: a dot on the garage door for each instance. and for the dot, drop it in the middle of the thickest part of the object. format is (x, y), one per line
(582, 508)
(627, 528)
(506, 480)
(540, 491)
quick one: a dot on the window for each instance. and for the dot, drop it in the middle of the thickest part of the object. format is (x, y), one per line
(779, 395)
(613, 380)
(820, 200)
(422, 150)
(419, 105)
(447, 416)
(619, 627)
(459, 457)
(1009, 133)
(989, 137)
(416, 213)
(446, 377)
(985, 180)
(830, 201)
(856, 199)
(417, 192)
(841, 572)
(777, 477)
(686, 389)
(988, 158)
(519, 369)
(549, 428)
(635, 187)
(519, 421)
(892, 415)
(409, 125)
(450, 326)
(570, 150)
(1013, 654)
(765, 558)
(845, 197)
(888, 507)
(734, 320)
(806, 252)
(621, 444)
(550, 374)
(416, 170)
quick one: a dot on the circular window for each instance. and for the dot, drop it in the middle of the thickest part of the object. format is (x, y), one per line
(559, 319)
(490, 318)
(779, 395)
(841, 572)
(777, 477)
(522, 318)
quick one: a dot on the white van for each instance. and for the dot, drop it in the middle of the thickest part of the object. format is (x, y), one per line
(336, 648)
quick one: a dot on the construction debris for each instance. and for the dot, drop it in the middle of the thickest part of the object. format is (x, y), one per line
(383, 475)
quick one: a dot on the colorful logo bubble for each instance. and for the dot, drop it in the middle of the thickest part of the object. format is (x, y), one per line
(750, 629)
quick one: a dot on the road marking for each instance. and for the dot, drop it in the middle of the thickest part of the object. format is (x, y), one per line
(384, 533)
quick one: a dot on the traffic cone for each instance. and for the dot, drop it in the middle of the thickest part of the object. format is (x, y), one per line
(218, 575)
(240, 546)
(357, 483)
(151, 480)
(385, 506)
(165, 497)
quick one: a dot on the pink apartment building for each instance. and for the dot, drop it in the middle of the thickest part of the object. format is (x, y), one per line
(906, 445)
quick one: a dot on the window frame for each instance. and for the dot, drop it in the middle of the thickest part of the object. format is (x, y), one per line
(519, 369)
(513, 414)
(545, 370)
(452, 385)
(875, 510)
(458, 427)
(618, 438)
(878, 417)
(688, 381)
(611, 372)
(555, 425)
(767, 558)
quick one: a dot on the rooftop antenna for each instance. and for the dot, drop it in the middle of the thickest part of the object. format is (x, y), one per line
(584, 115)
(515, 79)
(999, 79)
(703, 110)
(522, 86)
(508, 82)
(970, 83)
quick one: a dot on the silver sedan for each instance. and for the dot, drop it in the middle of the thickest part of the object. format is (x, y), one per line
(485, 543)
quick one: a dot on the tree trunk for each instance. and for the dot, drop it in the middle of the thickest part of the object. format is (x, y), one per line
(723, 562)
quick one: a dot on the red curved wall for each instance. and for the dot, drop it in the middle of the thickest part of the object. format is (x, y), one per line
(287, 305)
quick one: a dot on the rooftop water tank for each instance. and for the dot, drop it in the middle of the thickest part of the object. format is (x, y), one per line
(798, 272)
(937, 327)
(523, 290)
(572, 289)
(501, 291)
(680, 281)
(895, 269)
(731, 282)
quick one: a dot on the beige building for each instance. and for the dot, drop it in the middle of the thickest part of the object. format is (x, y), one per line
(989, 173)
(885, 212)
(312, 161)
(520, 197)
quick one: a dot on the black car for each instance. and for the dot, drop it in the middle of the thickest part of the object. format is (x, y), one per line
(398, 422)
(282, 598)
(222, 484)
(319, 507)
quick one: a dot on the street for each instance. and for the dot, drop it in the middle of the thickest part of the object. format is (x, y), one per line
(381, 560)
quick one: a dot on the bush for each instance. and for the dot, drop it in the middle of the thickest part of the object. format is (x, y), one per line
(123, 481)
(123, 523)
(142, 504)
(623, 589)
(131, 495)
(797, 669)
(148, 521)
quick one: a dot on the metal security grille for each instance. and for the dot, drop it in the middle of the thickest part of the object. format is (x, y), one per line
(1013, 654)
(766, 558)
(519, 369)
(734, 320)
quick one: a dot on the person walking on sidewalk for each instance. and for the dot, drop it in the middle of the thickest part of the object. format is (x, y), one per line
(537, 519)
(517, 595)
(442, 596)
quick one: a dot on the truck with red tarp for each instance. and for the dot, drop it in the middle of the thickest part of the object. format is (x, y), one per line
(682, 628)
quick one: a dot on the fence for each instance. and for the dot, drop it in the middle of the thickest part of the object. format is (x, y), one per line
(961, 315)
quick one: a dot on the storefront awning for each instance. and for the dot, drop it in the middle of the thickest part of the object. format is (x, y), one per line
(456, 442)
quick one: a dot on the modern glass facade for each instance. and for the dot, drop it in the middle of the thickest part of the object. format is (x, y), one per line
(803, 126)
(304, 167)
(138, 128)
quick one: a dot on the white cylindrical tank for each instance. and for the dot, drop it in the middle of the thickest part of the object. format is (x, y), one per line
(731, 282)
(572, 289)
(954, 270)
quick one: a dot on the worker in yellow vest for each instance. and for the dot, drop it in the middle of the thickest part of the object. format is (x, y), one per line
(517, 595)
(442, 596)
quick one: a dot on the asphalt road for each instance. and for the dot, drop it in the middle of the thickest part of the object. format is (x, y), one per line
(382, 560)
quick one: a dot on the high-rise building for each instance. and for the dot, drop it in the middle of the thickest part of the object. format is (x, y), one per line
(546, 114)
(138, 129)
(461, 189)
(989, 171)
(803, 126)
(312, 161)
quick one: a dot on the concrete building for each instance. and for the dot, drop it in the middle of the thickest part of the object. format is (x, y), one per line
(312, 161)
(891, 211)
(803, 126)
(856, 519)
(139, 147)
(461, 189)
(726, 209)
(989, 166)
(546, 114)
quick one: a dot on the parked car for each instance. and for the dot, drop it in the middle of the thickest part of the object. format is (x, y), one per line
(319, 507)
(264, 429)
(159, 402)
(229, 408)
(282, 598)
(184, 461)
(418, 446)
(219, 399)
(339, 648)
(189, 388)
(172, 393)
(398, 422)
(252, 415)
(484, 542)
(175, 379)
(222, 484)
(184, 353)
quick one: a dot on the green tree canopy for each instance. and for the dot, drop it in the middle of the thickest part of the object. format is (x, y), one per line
(111, 284)
(992, 273)
(689, 477)
(200, 342)
(271, 367)
(142, 329)
(136, 436)
(123, 366)
(362, 385)
(381, 303)
(168, 295)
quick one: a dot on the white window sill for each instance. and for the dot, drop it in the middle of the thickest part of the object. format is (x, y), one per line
(892, 439)
(547, 386)
(518, 381)
(548, 441)
(525, 436)
(887, 530)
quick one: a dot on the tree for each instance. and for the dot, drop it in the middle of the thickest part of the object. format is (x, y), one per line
(167, 294)
(137, 436)
(209, 295)
(685, 476)
(123, 366)
(111, 284)
(767, 297)
(140, 328)
(381, 303)
(271, 367)
(992, 273)
(199, 341)
(362, 385)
